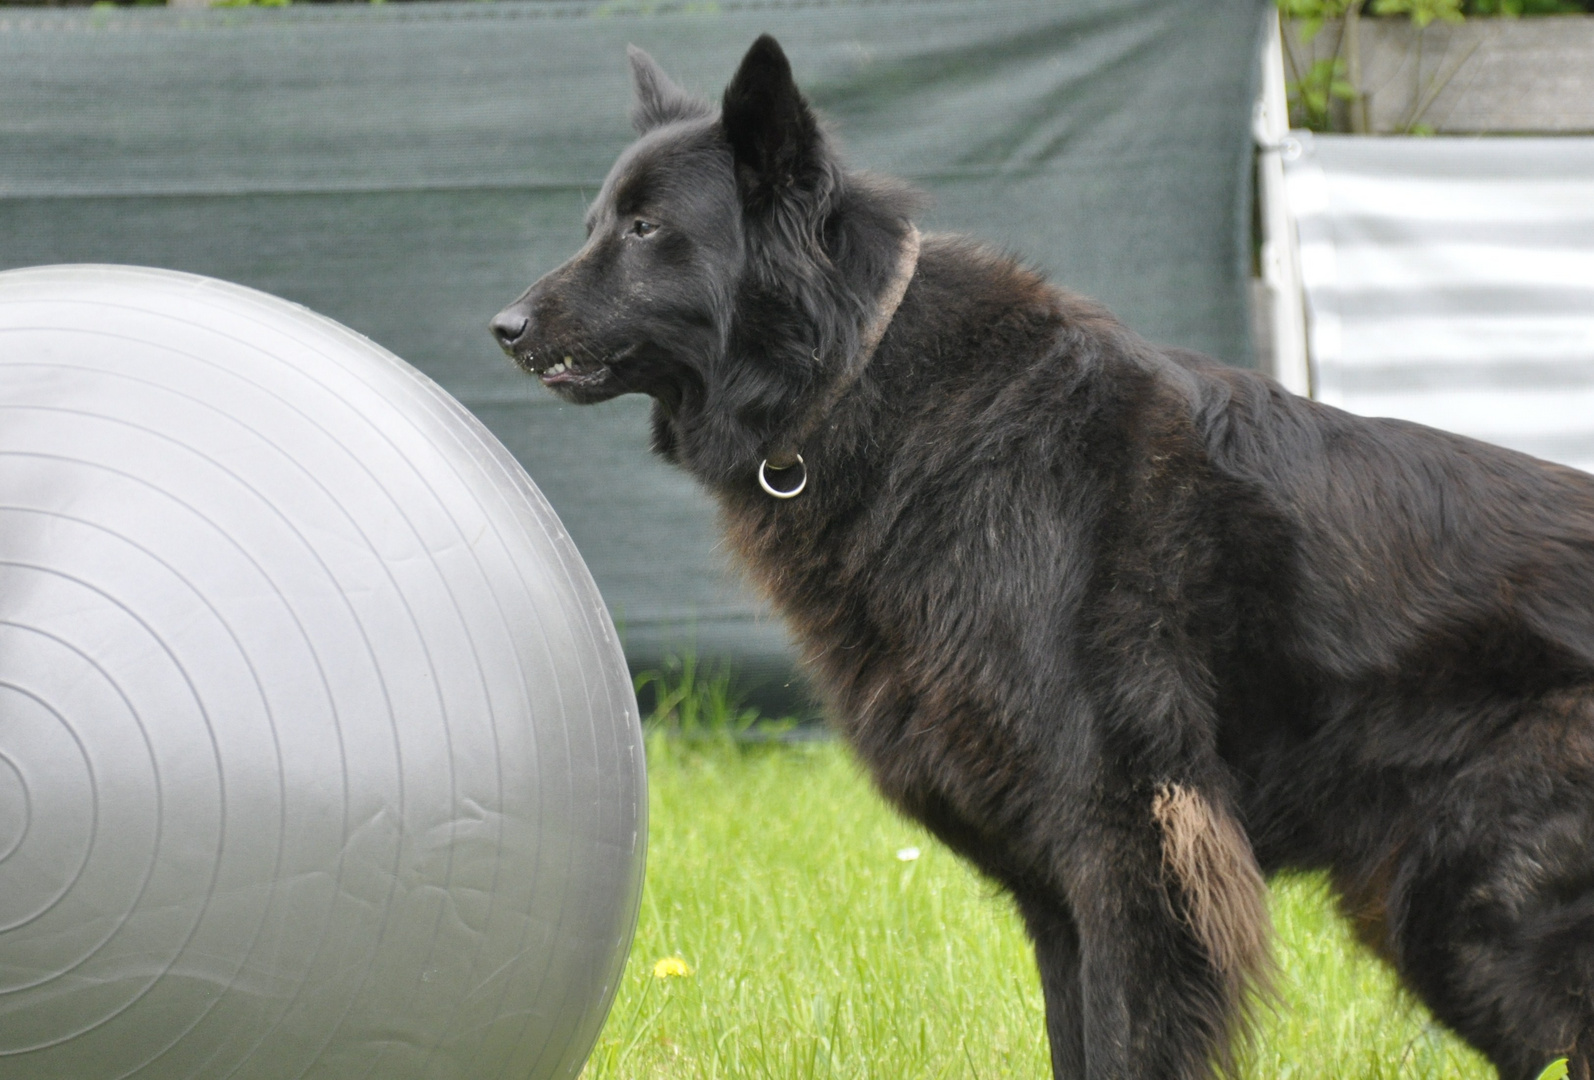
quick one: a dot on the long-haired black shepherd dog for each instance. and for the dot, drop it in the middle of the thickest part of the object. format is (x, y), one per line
(1126, 628)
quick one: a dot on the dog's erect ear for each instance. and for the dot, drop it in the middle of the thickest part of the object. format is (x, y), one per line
(773, 134)
(658, 100)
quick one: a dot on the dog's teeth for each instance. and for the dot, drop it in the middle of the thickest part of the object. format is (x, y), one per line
(569, 361)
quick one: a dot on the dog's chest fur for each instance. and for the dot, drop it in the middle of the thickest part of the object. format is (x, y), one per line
(935, 744)
(942, 569)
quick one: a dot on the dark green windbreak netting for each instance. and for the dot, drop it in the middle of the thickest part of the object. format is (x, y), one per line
(408, 169)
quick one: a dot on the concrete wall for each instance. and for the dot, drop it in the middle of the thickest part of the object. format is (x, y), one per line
(1530, 75)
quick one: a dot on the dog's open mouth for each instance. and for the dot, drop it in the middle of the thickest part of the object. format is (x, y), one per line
(566, 371)
(569, 371)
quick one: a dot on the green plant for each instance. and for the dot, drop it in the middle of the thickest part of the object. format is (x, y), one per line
(1313, 93)
(1555, 1070)
(697, 701)
(1421, 12)
(1314, 88)
(1312, 14)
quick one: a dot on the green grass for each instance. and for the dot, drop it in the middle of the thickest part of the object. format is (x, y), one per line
(818, 950)
(773, 872)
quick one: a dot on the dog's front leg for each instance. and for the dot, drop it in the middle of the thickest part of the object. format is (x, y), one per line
(1167, 938)
(1152, 1004)
(1056, 939)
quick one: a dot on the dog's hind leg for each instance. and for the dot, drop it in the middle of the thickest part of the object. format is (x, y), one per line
(1492, 906)
(1056, 940)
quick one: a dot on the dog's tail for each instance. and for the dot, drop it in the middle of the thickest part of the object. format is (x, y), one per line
(1224, 897)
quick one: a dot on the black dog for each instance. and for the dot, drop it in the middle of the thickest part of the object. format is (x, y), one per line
(1123, 626)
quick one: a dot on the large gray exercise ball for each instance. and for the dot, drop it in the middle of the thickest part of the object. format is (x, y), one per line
(318, 755)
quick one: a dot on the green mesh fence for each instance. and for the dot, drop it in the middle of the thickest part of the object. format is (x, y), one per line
(408, 169)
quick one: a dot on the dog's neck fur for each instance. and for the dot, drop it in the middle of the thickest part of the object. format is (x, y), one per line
(783, 450)
(720, 429)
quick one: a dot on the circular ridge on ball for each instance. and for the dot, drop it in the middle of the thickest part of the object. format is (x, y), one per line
(318, 754)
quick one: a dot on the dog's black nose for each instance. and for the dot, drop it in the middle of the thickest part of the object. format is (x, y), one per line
(508, 326)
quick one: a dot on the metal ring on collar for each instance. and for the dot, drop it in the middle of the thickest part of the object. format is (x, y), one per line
(763, 479)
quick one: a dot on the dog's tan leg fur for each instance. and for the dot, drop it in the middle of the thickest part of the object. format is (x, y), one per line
(1224, 894)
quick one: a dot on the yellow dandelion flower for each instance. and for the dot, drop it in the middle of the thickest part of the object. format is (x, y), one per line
(671, 967)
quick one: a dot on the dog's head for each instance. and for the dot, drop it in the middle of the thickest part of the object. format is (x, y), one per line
(728, 259)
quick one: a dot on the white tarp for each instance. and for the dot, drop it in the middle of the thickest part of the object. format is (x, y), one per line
(1450, 281)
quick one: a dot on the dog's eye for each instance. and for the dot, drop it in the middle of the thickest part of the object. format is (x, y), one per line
(643, 228)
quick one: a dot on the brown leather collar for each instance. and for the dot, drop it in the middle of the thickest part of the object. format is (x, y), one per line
(783, 455)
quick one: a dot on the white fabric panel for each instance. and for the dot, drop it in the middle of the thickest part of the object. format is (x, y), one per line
(1451, 282)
